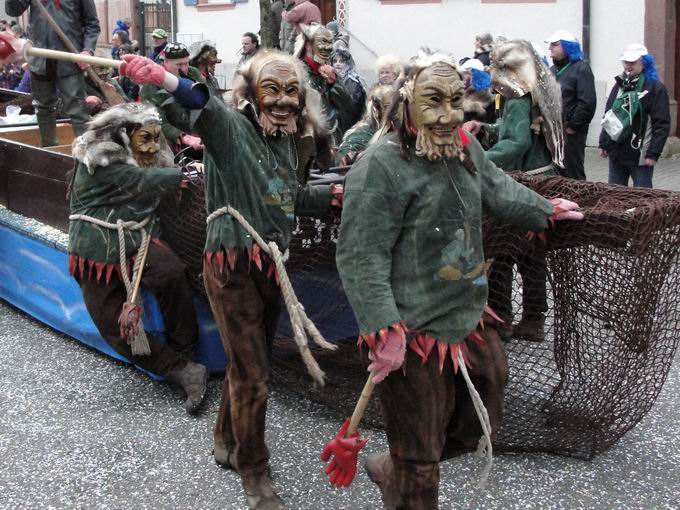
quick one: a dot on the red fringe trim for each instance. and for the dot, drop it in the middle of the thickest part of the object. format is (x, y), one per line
(254, 254)
(369, 338)
(423, 344)
(83, 267)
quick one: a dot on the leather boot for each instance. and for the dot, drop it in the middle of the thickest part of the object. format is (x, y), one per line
(260, 493)
(47, 122)
(193, 379)
(379, 469)
(224, 456)
(530, 328)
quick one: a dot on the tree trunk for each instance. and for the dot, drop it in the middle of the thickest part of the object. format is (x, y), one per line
(266, 36)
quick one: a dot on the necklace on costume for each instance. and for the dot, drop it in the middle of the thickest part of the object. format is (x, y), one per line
(291, 145)
(453, 184)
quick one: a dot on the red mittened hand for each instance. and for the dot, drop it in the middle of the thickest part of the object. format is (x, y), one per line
(327, 73)
(565, 210)
(344, 452)
(142, 70)
(388, 354)
(11, 48)
(337, 192)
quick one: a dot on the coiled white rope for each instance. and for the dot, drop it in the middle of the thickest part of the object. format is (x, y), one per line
(484, 449)
(301, 324)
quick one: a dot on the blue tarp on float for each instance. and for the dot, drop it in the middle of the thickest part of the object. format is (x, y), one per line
(34, 277)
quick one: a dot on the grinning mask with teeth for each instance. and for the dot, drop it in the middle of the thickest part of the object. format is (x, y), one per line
(435, 110)
(278, 98)
(320, 46)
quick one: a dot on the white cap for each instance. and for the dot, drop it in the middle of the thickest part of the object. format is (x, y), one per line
(472, 63)
(633, 52)
(561, 35)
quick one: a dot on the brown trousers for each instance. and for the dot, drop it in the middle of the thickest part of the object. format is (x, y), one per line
(429, 417)
(164, 276)
(245, 304)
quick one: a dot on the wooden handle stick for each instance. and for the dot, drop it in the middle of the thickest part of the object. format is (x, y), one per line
(360, 408)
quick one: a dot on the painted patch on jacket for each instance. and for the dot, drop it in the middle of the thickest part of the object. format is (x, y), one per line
(279, 194)
(460, 261)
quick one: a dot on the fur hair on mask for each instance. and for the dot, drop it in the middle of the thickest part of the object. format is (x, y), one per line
(517, 69)
(306, 35)
(107, 142)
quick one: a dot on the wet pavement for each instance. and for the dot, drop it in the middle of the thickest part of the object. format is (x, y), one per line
(80, 430)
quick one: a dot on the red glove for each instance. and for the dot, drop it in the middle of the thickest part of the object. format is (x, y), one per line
(11, 48)
(142, 70)
(565, 210)
(193, 141)
(345, 451)
(337, 192)
(388, 355)
(327, 73)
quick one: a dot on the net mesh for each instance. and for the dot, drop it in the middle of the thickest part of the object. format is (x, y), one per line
(605, 285)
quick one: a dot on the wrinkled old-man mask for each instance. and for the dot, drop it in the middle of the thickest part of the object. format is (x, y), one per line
(321, 46)
(278, 98)
(435, 110)
(146, 143)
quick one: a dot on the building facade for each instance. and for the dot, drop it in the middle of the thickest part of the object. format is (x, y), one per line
(401, 27)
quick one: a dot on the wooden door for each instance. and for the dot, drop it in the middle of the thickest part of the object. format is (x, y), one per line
(327, 8)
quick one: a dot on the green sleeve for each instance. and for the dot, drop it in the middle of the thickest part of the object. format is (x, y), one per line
(371, 224)
(514, 136)
(354, 142)
(216, 125)
(140, 183)
(508, 200)
(313, 200)
(125, 183)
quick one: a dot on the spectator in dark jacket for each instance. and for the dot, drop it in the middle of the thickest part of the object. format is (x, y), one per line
(78, 20)
(130, 88)
(160, 41)
(635, 156)
(578, 99)
(344, 66)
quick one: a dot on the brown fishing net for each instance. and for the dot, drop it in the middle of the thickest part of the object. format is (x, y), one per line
(608, 286)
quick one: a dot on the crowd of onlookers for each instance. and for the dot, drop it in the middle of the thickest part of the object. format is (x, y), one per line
(483, 102)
